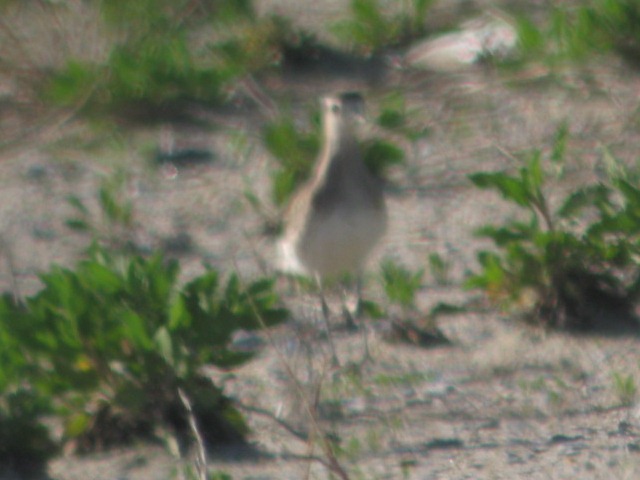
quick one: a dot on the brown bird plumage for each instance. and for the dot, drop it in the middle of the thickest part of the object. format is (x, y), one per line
(335, 220)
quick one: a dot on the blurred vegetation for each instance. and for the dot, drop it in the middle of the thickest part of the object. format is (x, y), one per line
(150, 58)
(574, 33)
(163, 53)
(625, 388)
(562, 267)
(370, 28)
(294, 150)
(25, 443)
(115, 223)
(106, 346)
(109, 343)
(401, 284)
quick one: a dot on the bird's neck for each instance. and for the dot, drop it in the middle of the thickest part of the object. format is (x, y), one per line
(338, 137)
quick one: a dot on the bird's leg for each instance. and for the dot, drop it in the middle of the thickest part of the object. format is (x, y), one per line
(359, 304)
(350, 318)
(325, 315)
(349, 314)
(360, 315)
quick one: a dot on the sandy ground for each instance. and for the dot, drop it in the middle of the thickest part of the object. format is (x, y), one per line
(502, 402)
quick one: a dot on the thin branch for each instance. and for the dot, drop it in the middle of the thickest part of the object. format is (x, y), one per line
(541, 206)
(201, 459)
(332, 462)
(506, 153)
(304, 436)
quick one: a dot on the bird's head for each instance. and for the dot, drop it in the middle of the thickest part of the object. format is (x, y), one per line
(340, 113)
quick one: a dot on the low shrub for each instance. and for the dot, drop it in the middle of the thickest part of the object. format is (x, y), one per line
(114, 339)
(567, 267)
(575, 33)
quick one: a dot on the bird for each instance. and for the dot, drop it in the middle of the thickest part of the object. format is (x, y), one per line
(335, 220)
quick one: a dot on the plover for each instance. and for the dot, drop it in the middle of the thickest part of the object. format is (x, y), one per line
(334, 221)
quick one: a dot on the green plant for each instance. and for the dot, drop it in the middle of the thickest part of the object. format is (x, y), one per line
(353, 449)
(166, 52)
(406, 465)
(114, 339)
(295, 152)
(25, 444)
(261, 44)
(553, 389)
(401, 379)
(625, 388)
(369, 29)
(219, 475)
(574, 33)
(620, 20)
(116, 223)
(379, 155)
(439, 269)
(400, 284)
(396, 117)
(152, 61)
(561, 267)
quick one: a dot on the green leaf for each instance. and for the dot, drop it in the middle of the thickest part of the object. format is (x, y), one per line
(439, 268)
(631, 193)
(511, 188)
(73, 82)
(530, 38)
(224, 358)
(372, 309)
(109, 205)
(391, 119)
(515, 232)
(443, 308)
(77, 224)
(76, 203)
(136, 330)
(284, 183)
(258, 287)
(533, 175)
(400, 284)
(100, 278)
(179, 315)
(420, 9)
(367, 11)
(582, 198)
(379, 155)
(77, 424)
(164, 345)
(492, 277)
(295, 153)
(253, 199)
(560, 143)
(293, 149)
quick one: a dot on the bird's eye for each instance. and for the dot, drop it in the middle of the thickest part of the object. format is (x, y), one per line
(335, 108)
